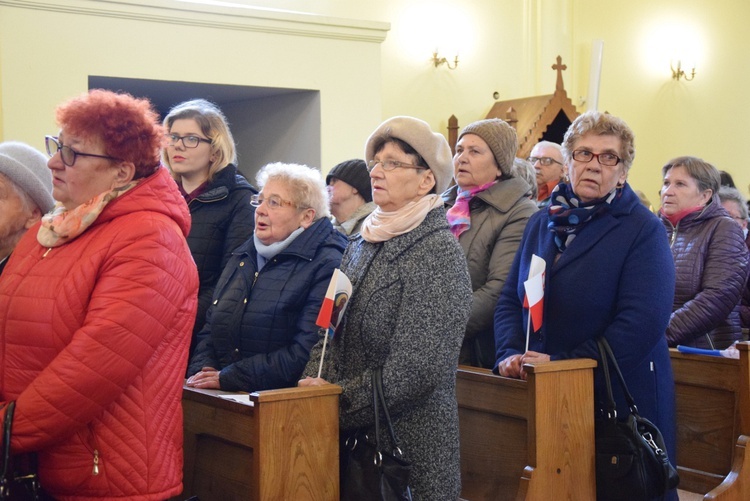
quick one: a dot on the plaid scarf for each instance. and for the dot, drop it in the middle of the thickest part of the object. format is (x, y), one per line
(568, 214)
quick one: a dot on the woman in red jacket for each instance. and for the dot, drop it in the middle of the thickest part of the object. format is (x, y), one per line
(96, 309)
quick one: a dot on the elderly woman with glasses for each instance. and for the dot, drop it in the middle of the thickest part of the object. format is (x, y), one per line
(710, 256)
(608, 273)
(201, 155)
(260, 326)
(407, 315)
(489, 207)
(96, 308)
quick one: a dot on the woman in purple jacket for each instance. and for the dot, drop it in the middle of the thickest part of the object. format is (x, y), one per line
(710, 256)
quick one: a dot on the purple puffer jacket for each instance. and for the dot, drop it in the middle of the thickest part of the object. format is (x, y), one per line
(711, 268)
(745, 304)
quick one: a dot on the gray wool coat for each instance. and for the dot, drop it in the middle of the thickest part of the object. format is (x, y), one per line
(410, 302)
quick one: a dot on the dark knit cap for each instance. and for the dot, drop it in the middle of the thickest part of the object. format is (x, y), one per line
(354, 173)
(500, 137)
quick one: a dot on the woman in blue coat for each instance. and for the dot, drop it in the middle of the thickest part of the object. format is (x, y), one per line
(261, 324)
(609, 272)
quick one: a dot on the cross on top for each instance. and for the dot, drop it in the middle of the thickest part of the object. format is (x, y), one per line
(559, 67)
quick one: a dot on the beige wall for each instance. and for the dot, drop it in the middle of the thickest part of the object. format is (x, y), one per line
(506, 46)
(47, 54)
(708, 117)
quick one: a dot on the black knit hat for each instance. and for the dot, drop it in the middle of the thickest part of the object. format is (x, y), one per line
(354, 173)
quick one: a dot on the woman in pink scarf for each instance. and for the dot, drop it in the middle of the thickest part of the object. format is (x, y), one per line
(489, 208)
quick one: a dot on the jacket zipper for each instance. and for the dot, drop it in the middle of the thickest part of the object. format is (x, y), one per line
(95, 470)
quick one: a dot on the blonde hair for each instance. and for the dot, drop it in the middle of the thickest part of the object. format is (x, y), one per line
(213, 125)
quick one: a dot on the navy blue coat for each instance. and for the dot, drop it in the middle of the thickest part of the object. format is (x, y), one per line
(615, 279)
(222, 219)
(261, 324)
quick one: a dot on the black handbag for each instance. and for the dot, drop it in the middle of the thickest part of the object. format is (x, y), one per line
(15, 484)
(631, 458)
(368, 471)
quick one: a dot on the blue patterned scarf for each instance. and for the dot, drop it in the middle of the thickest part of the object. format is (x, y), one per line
(568, 214)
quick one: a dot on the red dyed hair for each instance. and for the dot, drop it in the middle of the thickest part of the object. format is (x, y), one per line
(128, 126)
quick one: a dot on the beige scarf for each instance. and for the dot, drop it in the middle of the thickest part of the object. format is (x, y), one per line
(60, 226)
(380, 226)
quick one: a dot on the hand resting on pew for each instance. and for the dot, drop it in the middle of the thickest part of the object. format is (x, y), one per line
(312, 381)
(207, 378)
(513, 365)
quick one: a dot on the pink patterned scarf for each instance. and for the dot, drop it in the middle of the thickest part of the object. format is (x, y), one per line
(459, 216)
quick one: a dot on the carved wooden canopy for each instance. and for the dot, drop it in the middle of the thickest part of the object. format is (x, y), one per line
(535, 118)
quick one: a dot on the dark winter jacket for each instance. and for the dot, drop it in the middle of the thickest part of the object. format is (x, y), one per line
(261, 325)
(222, 220)
(616, 279)
(711, 265)
(745, 303)
(498, 218)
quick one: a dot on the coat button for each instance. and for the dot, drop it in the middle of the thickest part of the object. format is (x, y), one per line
(216, 301)
(242, 263)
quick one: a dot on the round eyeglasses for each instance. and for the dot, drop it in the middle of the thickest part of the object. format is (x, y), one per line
(585, 156)
(273, 202)
(389, 165)
(67, 154)
(187, 141)
(545, 161)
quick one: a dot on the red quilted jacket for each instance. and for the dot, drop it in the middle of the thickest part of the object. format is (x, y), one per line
(94, 336)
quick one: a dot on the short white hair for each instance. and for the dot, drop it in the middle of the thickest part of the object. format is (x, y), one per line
(306, 184)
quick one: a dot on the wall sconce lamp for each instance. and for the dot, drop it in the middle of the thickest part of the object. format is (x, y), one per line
(678, 72)
(437, 61)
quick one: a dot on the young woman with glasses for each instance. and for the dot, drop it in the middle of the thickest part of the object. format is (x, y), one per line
(201, 155)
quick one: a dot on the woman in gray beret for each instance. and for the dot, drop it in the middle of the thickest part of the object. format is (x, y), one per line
(410, 302)
(488, 210)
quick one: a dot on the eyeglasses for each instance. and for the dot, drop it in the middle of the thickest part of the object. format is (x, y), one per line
(273, 202)
(389, 165)
(545, 161)
(585, 156)
(187, 141)
(67, 154)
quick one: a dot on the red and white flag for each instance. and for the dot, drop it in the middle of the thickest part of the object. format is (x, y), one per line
(534, 298)
(332, 309)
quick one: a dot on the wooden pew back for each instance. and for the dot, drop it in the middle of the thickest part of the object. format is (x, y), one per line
(528, 439)
(282, 445)
(713, 416)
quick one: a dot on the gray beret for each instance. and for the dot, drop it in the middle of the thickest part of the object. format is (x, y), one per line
(431, 146)
(500, 137)
(27, 168)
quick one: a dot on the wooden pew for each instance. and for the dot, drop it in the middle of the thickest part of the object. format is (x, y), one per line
(713, 424)
(528, 440)
(282, 444)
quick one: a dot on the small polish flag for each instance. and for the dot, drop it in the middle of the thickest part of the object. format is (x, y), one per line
(534, 286)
